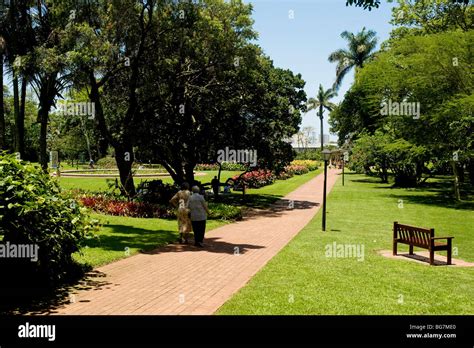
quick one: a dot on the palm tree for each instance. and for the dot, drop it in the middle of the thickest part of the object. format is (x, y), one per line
(322, 102)
(2, 110)
(360, 50)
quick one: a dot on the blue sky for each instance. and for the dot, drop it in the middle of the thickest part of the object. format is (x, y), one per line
(303, 44)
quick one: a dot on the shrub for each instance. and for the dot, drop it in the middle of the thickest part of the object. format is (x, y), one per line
(106, 163)
(225, 166)
(33, 211)
(310, 164)
(296, 170)
(155, 192)
(106, 205)
(213, 166)
(284, 175)
(233, 166)
(223, 211)
(309, 154)
(256, 178)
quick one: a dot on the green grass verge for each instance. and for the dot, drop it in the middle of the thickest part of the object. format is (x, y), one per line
(100, 184)
(121, 237)
(302, 280)
(262, 197)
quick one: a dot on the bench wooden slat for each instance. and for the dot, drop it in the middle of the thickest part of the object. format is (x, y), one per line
(420, 237)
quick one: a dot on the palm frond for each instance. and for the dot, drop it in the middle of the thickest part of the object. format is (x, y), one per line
(340, 77)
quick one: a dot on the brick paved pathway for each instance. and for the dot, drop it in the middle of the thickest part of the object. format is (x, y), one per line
(179, 279)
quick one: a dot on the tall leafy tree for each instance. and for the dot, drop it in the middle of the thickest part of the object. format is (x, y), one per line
(321, 103)
(369, 4)
(360, 49)
(217, 90)
(16, 30)
(432, 75)
(429, 17)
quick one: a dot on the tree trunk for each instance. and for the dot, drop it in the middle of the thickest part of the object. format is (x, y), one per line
(20, 124)
(189, 173)
(220, 170)
(460, 168)
(124, 158)
(470, 167)
(86, 136)
(16, 112)
(43, 155)
(3, 143)
(47, 95)
(457, 192)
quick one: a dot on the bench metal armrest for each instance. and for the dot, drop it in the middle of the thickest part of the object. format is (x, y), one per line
(433, 238)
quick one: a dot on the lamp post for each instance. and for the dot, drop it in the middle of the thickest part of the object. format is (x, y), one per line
(326, 155)
(344, 160)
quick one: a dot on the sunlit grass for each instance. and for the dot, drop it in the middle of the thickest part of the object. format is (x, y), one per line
(302, 280)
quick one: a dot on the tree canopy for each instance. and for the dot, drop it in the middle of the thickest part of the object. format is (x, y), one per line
(424, 79)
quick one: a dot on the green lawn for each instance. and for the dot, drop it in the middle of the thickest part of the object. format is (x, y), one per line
(100, 184)
(121, 236)
(264, 196)
(302, 280)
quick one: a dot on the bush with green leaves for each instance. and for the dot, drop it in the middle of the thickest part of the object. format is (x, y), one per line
(107, 163)
(382, 154)
(33, 211)
(156, 192)
(221, 211)
(309, 154)
(233, 167)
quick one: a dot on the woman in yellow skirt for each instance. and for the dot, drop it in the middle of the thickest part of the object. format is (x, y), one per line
(180, 200)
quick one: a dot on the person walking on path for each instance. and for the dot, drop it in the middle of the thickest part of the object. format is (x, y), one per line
(199, 211)
(181, 201)
(215, 187)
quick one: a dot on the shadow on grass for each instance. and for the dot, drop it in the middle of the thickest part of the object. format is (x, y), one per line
(255, 201)
(439, 200)
(152, 242)
(439, 192)
(257, 205)
(123, 236)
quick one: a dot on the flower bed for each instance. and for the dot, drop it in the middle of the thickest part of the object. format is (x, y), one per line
(296, 170)
(105, 205)
(311, 165)
(225, 166)
(203, 166)
(256, 178)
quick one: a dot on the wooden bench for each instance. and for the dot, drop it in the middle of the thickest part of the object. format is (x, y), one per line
(422, 238)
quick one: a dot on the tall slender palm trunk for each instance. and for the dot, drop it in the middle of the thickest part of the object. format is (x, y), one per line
(322, 133)
(2, 109)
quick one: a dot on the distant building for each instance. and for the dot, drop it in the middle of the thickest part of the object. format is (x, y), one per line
(311, 140)
(325, 139)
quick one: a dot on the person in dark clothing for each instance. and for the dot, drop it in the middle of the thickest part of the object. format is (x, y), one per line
(215, 187)
(199, 211)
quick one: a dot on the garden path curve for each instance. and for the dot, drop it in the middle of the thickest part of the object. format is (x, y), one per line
(182, 279)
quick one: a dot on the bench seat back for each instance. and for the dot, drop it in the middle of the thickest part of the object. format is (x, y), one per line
(412, 235)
